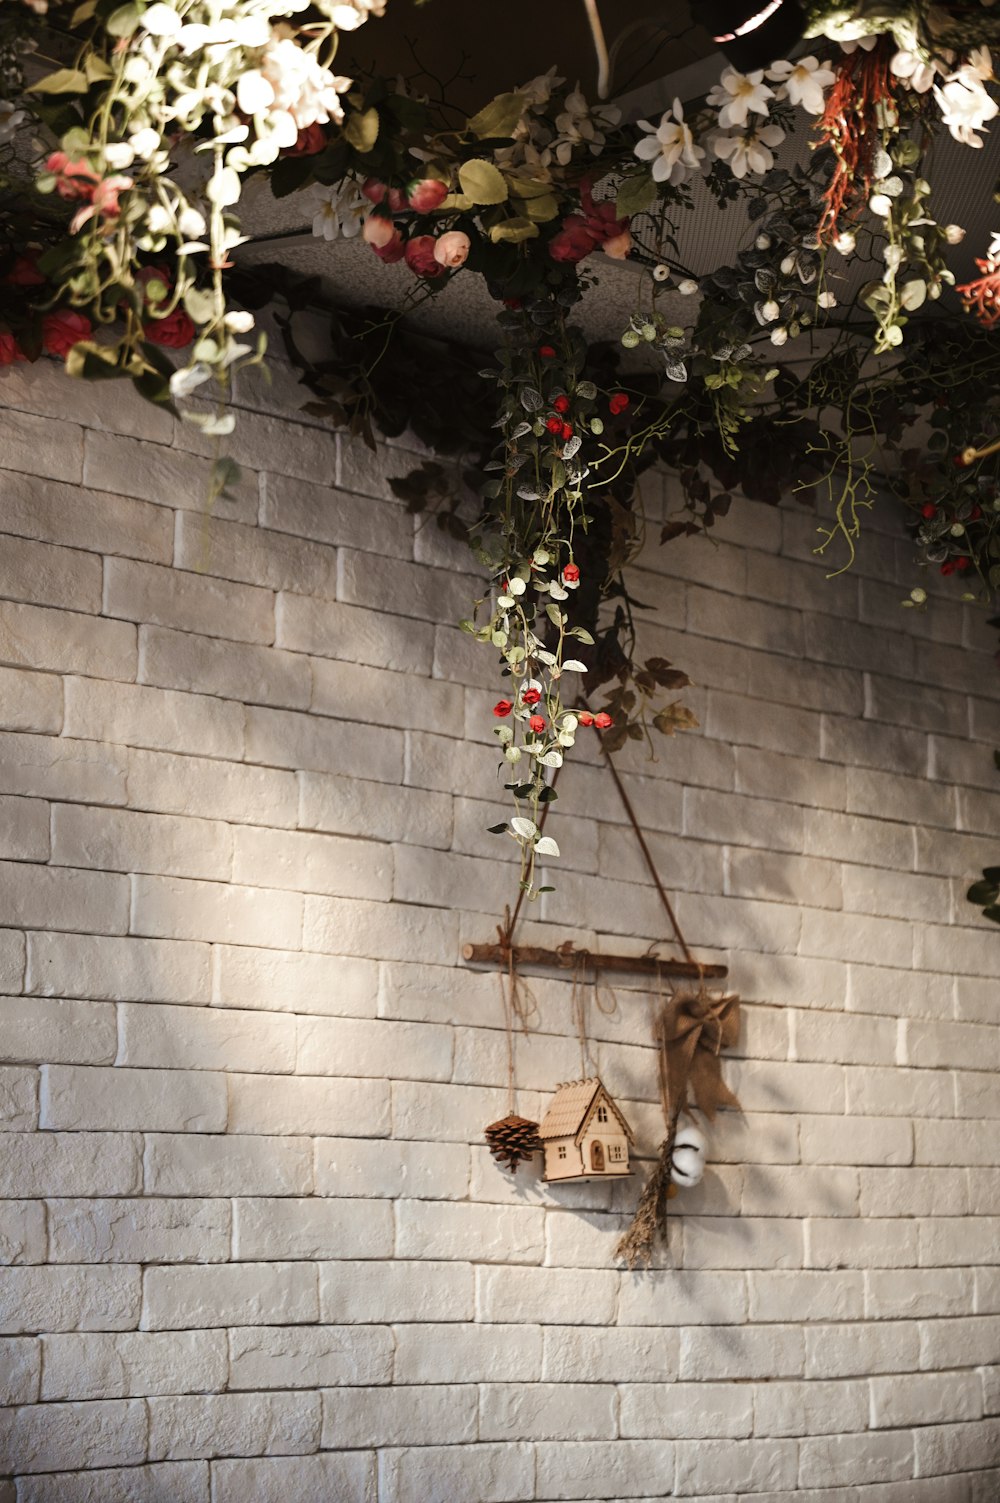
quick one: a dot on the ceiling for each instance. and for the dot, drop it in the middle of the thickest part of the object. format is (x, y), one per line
(663, 54)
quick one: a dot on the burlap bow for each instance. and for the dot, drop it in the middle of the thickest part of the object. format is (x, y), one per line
(691, 1031)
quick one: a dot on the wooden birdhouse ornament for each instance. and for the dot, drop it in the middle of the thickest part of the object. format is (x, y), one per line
(583, 1134)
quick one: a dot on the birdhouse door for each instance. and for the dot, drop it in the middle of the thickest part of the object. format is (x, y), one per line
(597, 1157)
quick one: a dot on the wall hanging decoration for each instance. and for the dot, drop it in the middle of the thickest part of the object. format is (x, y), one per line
(584, 1135)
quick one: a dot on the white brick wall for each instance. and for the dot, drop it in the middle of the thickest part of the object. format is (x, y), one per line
(252, 1244)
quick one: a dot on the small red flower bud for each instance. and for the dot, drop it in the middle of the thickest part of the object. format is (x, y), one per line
(513, 302)
(585, 717)
(537, 724)
(502, 708)
(546, 351)
(602, 721)
(554, 424)
(975, 513)
(531, 696)
(572, 573)
(928, 511)
(567, 432)
(963, 564)
(618, 403)
(948, 567)
(561, 404)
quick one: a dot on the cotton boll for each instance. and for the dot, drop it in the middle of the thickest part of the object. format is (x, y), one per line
(687, 1161)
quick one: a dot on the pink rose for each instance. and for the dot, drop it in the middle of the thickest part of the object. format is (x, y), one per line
(393, 251)
(574, 241)
(452, 248)
(426, 195)
(420, 257)
(377, 193)
(618, 246)
(62, 329)
(74, 179)
(378, 231)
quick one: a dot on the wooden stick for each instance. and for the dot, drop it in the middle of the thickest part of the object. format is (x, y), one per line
(567, 958)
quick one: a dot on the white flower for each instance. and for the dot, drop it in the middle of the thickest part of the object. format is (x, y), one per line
(687, 287)
(770, 310)
(350, 17)
(804, 82)
(292, 83)
(954, 234)
(965, 106)
(239, 322)
(670, 147)
(145, 143)
(866, 43)
(779, 335)
(338, 214)
(10, 118)
(161, 21)
(118, 155)
(738, 93)
(880, 204)
(827, 300)
(910, 67)
(749, 151)
(845, 243)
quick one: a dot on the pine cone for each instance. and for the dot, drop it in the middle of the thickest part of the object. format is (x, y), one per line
(513, 1139)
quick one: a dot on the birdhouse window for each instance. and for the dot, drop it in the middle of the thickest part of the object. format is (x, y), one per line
(562, 1151)
(617, 1151)
(602, 1114)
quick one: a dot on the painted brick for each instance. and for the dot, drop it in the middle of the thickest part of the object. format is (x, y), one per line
(186, 1164)
(342, 1046)
(70, 1164)
(753, 1465)
(174, 908)
(40, 387)
(195, 1038)
(18, 1099)
(131, 715)
(30, 701)
(437, 1474)
(51, 767)
(579, 1354)
(467, 1353)
(69, 1299)
(540, 1411)
(233, 1424)
(861, 1244)
(345, 926)
(411, 1415)
(43, 1029)
(42, 447)
(936, 1291)
(83, 965)
(354, 635)
(67, 642)
(308, 1104)
(51, 1437)
(494, 1234)
(22, 1232)
(596, 1469)
(211, 790)
(397, 1291)
(189, 602)
(123, 841)
(856, 1140)
(326, 1356)
(76, 1097)
(178, 1299)
(233, 670)
(749, 1352)
(43, 575)
(132, 1364)
(354, 806)
(806, 1296)
(254, 555)
(370, 579)
(152, 472)
(313, 863)
(34, 507)
(352, 1167)
(687, 1411)
(855, 1458)
(138, 1231)
(180, 1481)
(278, 738)
(847, 1351)
(326, 515)
(925, 1398)
(285, 1229)
(349, 1477)
(288, 981)
(20, 1370)
(33, 897)
(810, 1408)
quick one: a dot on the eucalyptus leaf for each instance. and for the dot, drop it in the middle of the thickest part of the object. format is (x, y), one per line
(482, 182)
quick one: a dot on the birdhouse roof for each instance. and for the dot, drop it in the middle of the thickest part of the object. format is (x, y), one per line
(571, 1107)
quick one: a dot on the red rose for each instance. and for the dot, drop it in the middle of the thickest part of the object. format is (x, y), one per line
(531, 696)
(546, 351)
(393, 250)
(928, 511)
(63, 329)
(573, 241)
(585, 717)
(618, 403)
(426, 195)
(561, 404)
(308, 142)
(10, 350)
(554, 424)
(537, 724)
(572, 573)
(602, 721)
(502, 708)
(175, 331)
(25, 273)
(567, 432)
(963, 564)
(420, 257)
(377, 193)
(513, 302)
(948, 567)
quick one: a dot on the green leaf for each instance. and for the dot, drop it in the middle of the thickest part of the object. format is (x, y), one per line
(993, 913)
(482, 182)
(123, 21)
(514, 231)
(92, 362)
(499, 117)
(992, 874)
(983, 894)
(361, 130)
(497, 829)
(96, 68)
(635, 194)
(83, 13)
(62, 81)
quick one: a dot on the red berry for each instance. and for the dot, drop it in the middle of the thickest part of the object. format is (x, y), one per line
(567, 432)
(618, 403)
(554, 424)
(929, 510)
(546, 351)
(537, 724)
(561, 404)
